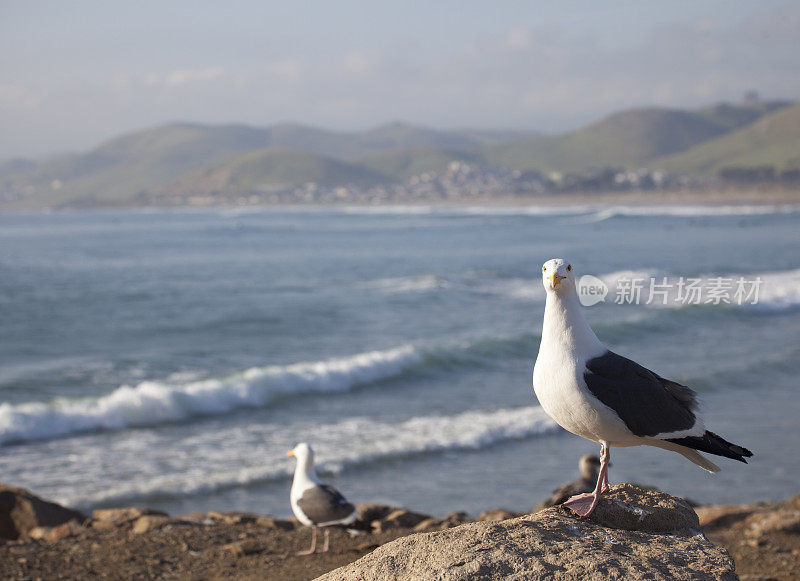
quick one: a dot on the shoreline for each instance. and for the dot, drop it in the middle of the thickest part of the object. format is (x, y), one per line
(733, 197)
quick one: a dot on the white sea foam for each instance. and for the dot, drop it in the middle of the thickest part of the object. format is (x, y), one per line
(406, 284)
(692, 210)
(152, 402)
(240, 457)
(594, 212)
(779, 291)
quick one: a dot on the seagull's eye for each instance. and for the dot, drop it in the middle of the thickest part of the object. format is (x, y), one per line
(544, 269)
(569, 267)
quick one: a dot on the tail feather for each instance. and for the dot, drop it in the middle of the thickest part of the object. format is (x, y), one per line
(714, 444)
(688, 453)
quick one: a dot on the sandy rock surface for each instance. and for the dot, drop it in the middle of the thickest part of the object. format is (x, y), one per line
(634, 534)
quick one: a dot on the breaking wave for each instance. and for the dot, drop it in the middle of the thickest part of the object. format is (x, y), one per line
(256, 457)
(155, 402)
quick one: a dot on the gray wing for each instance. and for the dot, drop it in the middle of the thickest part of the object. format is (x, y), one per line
(648, 404)
(323, 503)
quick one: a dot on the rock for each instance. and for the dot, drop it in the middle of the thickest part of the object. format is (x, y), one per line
(368, 511)
(722, 515)
(455, 518)
(124, 515)
(429, 524)
(398, 518)
(53, 534)
(628, 539)
(21, 511)
(275, 524)
(234, 517)
(779, 521)
(638, 509)
(149, 522)
(405, 518)
(246, 547)
(497, 514)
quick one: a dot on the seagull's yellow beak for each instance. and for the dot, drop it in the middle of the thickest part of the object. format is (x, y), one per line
(290, 453)
(555, 279)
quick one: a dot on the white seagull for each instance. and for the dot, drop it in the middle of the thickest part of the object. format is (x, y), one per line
(606, 398)
(313, 503)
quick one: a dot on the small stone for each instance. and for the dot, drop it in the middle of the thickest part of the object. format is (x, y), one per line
(234, 517)
(497, 514)
(148, 523)
(429, 524)
(241, 548)
(102, 525)
(275, 523)
(121, 515)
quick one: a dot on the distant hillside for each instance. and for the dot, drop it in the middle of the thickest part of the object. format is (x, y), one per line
(186, 159)
(627, 139)
(400, 165)
(135, 164)
(772, 140)
(264, 169)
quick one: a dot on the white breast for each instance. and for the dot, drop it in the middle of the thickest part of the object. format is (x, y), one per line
(567, 344)
(558, 384)
(298, 488)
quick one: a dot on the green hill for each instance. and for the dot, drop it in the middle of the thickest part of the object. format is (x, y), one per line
(626, 139)
(270, 168)
(772, 140)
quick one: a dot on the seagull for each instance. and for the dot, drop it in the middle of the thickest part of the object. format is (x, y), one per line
(589, 466)
(313, 503)
(609, 399)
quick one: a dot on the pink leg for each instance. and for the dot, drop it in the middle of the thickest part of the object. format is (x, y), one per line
(584, 504)
(313, 548)
(327, 541)
(604, 468)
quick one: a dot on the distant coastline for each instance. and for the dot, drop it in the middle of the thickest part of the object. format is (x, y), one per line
(746, 152)
(714, 197)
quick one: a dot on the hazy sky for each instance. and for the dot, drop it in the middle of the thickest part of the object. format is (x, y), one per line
(75, 73)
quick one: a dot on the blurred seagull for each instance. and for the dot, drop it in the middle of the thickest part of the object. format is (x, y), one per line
(589, 466)
(313, 503)
(604, 397)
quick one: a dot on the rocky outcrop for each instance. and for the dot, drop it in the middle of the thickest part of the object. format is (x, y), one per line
(22, 511)
(633, 534)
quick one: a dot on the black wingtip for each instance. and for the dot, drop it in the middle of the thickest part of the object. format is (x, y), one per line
(714, 444)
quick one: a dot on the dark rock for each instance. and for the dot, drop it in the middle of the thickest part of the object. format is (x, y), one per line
(368, 512)
(21, 511)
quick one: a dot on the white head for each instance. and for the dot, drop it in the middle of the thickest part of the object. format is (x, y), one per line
(558, 276)
(302, 452)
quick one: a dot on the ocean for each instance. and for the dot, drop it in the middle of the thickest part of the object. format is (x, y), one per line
(170, 358)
